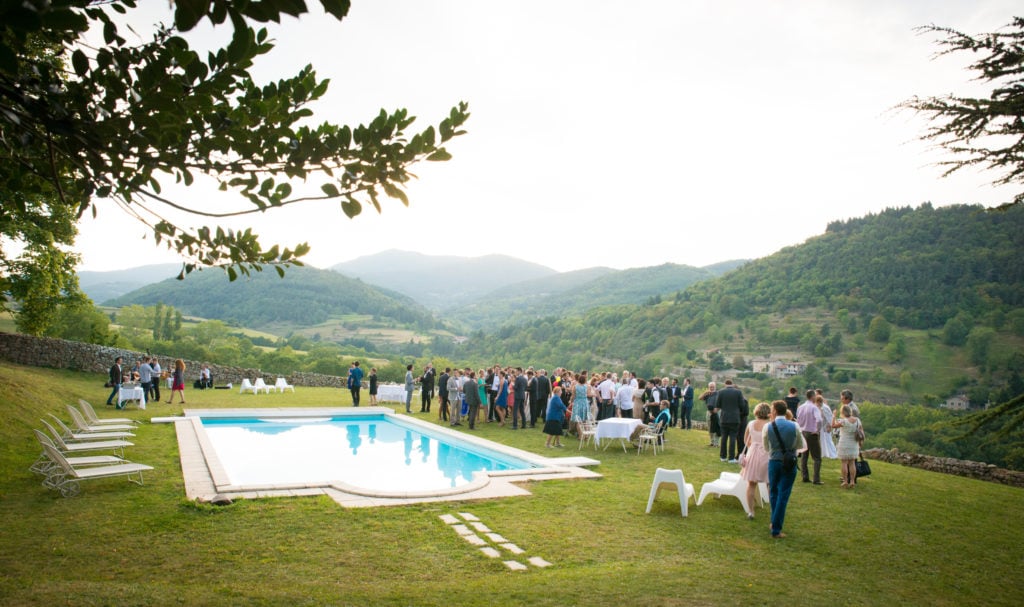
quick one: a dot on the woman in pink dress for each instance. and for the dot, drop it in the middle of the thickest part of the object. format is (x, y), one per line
(755, 460)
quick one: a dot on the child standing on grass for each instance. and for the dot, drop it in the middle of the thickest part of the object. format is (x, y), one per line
(554, 418)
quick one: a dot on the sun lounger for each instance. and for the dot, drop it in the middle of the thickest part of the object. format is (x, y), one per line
(70, 435)
(67, 479)
(94, 420)
(79, 420)
(45, 466)
(100, 445)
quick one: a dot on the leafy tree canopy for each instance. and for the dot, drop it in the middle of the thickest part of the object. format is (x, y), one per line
(81, 121)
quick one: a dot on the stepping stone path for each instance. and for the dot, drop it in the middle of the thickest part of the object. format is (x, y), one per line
(494, 543)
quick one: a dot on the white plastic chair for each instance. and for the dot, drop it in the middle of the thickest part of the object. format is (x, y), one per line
(246, 387)
(259, 384)
(664, 478)
(651, 434)
(283, 385)
(731, 483)
(587, 431)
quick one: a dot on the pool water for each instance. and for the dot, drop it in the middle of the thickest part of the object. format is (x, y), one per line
(371, 452)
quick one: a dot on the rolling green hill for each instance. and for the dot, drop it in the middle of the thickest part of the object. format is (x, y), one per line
(577, 292)
(304, 297)
(909, 304)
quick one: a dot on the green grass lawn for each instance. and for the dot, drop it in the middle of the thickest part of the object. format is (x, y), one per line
(903, 537)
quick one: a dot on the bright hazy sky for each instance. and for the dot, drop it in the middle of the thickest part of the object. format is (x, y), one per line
(621, 134)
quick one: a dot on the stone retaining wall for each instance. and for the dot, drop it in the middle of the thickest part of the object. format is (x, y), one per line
(91, 358)
(948, 465)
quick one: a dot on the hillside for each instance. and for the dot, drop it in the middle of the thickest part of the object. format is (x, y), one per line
(303, 297)
(576, 292)
(427, 278)
(908, 304)
(103, 286)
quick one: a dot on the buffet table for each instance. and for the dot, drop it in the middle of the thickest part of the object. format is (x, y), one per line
(131, 393)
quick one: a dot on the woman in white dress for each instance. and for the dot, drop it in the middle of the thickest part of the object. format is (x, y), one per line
(828, 448)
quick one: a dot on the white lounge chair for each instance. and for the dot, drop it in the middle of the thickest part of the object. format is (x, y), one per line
(100, 445)
(94, 420)
(259, 384)
(78, 419)
(282, 384)
(665, 478)
(45, 466)
(70, 435)
(246, 387)
(731, 483)
(66, 479)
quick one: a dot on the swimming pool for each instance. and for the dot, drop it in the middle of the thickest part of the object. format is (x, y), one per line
(372, 452)
(368, 456)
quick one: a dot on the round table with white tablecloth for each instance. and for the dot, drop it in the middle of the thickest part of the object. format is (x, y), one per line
(616, 427)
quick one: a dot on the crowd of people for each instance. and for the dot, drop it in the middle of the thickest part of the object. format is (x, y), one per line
(147, 373)
(521, 397)
(786, 438)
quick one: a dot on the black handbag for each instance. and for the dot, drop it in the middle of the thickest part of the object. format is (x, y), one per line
(863, 468)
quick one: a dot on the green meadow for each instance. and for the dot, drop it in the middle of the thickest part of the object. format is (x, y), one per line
(903, 536)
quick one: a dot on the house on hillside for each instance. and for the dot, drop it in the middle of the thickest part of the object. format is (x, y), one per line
(960, 402)
(787, 370)
(767, 366)
(459, 339)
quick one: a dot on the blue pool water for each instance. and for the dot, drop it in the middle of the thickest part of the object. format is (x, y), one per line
(371, 452)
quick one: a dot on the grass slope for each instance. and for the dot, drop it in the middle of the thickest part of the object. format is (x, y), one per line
(903, 537)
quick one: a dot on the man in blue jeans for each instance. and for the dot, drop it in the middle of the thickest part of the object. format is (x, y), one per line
(115, 380)
(779, 436)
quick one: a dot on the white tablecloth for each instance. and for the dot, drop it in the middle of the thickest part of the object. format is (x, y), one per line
(391, 393)
(616, 427)
(135, 393)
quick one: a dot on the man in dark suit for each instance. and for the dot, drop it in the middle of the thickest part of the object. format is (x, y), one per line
(675, 394)
(442, 394)
(730, 412)
(115, 379)
(531, 391)
(426, 388)
(472, 395)
(538, 407)
(519, 405)
(686, 417)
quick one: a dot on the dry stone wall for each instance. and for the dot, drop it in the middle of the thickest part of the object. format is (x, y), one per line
(948, 465)
(92, 358)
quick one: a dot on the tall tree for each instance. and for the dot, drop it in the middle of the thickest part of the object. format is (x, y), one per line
(982, 132)
(114, 121)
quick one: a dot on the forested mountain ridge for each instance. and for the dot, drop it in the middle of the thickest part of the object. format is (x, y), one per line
(911, 268)
(576, 292)
(303, 297)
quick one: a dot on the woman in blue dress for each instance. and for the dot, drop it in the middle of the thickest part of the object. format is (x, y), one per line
(580, 403)
(501, 401)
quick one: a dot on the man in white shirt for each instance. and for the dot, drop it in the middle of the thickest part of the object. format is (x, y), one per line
(624, 401)
(605, 394)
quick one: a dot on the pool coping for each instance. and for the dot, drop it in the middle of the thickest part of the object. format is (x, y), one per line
(206, 480)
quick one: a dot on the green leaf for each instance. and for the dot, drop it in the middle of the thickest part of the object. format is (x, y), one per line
(80, 62)
(440, 155)
(187, 13)
(330, 190)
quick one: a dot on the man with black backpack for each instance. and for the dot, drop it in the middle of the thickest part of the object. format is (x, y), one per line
(782, 439)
